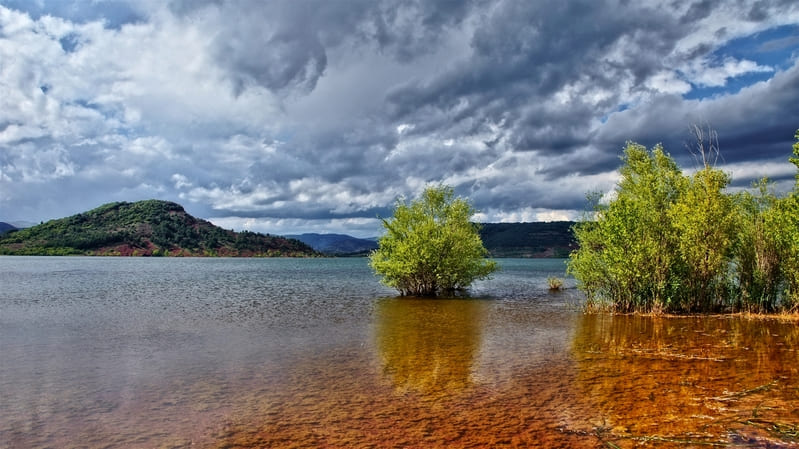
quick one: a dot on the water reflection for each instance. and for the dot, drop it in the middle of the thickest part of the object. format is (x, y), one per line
(706, 379)
(429, 346)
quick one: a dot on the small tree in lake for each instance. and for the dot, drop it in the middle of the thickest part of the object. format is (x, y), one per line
(430, 246)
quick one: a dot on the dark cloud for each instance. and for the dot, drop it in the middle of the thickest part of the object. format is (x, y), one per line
(326, 112)
(276, 59)
(524, 54)
(759, 11)
(756, 123)
(283, 45)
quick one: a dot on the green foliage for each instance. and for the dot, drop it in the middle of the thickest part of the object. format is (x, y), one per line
(775, 278)
(677, 243)
(795, 159)
(627, 254)
(783, 223)
(430, 246)
(704, 222)
(755, 252)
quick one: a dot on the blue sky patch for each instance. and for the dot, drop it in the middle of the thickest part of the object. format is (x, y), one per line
(114, 13)
(772, 48)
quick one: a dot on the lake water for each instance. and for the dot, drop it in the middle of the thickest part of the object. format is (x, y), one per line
(239, 353)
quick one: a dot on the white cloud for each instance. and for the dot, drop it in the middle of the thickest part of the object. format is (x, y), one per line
(357, 227)
(775, 169)
(705, 73)
(667, 82)
(404, 127)
(527, 214)
(181, 181)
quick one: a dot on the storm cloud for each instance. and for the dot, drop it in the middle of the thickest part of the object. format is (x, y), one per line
(295, 116)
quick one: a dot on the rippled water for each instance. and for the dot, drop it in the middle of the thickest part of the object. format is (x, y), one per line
(129, 352)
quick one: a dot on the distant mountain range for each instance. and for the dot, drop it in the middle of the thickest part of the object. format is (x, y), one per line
(144, 228)
(537, 239)
(553, 239)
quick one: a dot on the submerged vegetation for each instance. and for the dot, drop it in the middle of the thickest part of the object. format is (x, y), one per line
(555, 283)
(670, 242)
(430, 246)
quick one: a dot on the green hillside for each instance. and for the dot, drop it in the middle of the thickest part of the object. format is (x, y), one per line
(337, 244)
(553, 239)
(144, 228)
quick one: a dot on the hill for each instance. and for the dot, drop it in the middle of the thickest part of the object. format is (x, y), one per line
(5, 227)
(144, 228)
(337, 244)
(553, 239)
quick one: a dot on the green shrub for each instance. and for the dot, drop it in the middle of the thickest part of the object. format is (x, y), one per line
(676, 243)
(430, 246)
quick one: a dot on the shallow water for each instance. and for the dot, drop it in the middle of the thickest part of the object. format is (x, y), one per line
(120, 352)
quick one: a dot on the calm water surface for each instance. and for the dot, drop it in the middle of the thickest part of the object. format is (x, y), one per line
(236, 353)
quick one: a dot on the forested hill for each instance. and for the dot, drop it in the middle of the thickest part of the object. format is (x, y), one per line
(144, 228)
(553, 239)
(337, 244)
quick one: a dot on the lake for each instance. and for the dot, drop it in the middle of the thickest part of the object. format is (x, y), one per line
(239, 353)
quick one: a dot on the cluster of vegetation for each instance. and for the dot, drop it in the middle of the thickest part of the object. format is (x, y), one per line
(669, 242)
(555, 283)
(143, 228)
(430, 246)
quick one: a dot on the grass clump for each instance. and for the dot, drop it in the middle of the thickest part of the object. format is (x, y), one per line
(555, 283)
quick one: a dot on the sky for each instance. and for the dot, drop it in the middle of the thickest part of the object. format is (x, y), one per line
(296, 116)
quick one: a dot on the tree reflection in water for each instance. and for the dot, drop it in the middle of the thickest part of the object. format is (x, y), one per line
(702, 379)
(428, 346)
